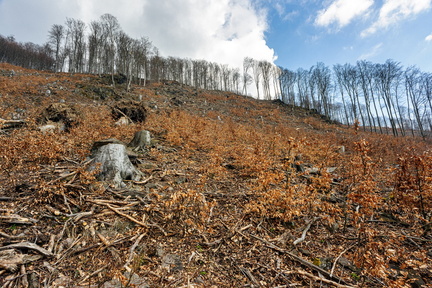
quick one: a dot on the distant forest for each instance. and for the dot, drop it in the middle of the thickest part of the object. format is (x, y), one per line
(383, 98)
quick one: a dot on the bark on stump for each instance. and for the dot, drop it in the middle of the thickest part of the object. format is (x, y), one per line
(141, 140)
(115, 165)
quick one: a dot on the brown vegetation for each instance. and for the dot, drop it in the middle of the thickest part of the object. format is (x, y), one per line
(236, 193)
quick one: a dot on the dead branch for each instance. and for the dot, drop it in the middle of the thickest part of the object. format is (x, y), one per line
(145, 181)
(300, 260)
(16, 219)
(94, 273)
(127, 216)
(84, 249)
(28, 245)
(2, 234)
(302, 238)
(51, 243)
(249, 275)
(339, 256)
(318, 279)
(132, 249)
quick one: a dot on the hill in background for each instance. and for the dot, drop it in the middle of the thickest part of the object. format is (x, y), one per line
(235, 192)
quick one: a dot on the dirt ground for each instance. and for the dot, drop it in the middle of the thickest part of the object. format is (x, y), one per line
(236, 192)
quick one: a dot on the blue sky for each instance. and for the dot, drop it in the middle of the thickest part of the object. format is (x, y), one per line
(344, 31)
(298, 34)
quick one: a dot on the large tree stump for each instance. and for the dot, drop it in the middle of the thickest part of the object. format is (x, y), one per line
(115, 165)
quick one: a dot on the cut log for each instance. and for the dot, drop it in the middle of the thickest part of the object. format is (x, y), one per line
(114, 164)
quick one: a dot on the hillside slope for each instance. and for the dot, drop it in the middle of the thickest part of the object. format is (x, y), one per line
(235, 192)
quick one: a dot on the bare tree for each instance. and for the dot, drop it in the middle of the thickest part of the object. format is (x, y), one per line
(55, 38)
(322, 76)
(247, 78)
(257, 75)
(111, 28)
(76, 44)
(266, 74)
(96, 40)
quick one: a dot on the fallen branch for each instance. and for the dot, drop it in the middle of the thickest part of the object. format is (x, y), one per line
(301, 239)
(28, 245)
(2, 234)
(82, 250)
(340, 255)
(132, 249)
(127, 216)
(145, 181)
(16, 219)
(249, 275)
(94, 273)
(298, 259)
(316, 278)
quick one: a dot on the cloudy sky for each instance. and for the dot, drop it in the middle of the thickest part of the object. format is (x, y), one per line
(291, 33)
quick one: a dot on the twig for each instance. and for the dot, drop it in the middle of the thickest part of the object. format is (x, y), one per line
(132, 249)
(94, 273)
(127, 216)
(145, 181)
(298, 259)
(82, 250)
(249, 275)
(302, 238)
(316, 278)
(340, 255)
(51, 243)
(24, 280)
(62, 177)
(79, 216)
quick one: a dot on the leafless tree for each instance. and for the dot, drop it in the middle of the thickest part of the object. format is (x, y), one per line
(55, 38)
(111, 28)
(266, 73)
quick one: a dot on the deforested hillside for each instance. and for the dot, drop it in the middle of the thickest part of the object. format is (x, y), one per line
(220, 190)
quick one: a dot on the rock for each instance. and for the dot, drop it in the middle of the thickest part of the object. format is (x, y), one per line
(141, 140)
(115, 165)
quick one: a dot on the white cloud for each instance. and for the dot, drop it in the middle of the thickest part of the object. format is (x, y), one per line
(429, 38)
(373, 52)
(394, 11)
(342, 12)
(223, 31)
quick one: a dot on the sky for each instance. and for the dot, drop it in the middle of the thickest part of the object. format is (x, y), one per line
(292, 34)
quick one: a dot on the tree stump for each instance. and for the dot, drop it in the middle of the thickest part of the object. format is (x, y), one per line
(141, 140)
(115, 165)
